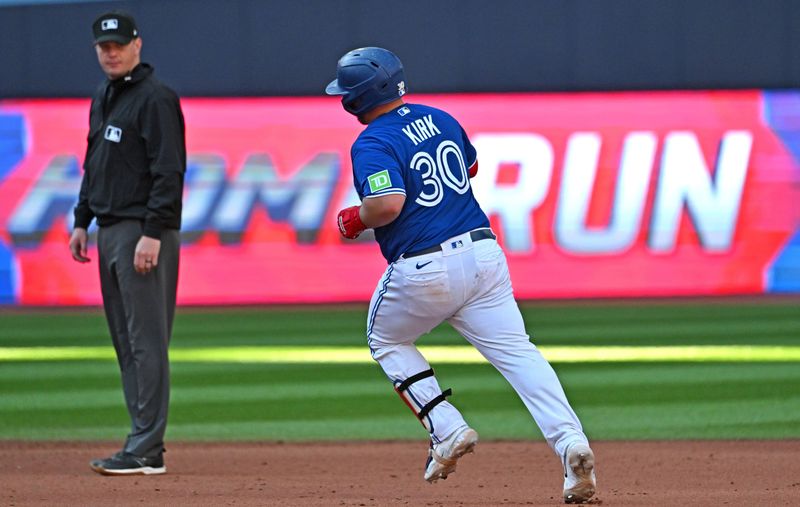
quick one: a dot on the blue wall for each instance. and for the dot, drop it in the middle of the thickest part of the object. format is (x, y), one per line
(281, 47)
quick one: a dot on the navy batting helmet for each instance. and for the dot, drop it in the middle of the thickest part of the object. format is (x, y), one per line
(367, 77)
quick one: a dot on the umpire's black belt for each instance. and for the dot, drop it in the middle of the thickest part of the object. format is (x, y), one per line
(475, 235)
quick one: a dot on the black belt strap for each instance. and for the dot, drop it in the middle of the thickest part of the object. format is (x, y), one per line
(480, 234)
(424, 251)
(427, 408)
(475, 235)
(414, 378)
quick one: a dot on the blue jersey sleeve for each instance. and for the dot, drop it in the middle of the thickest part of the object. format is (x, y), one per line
(376, 171)
(471, 154)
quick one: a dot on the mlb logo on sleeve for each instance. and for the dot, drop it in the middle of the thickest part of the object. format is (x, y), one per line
(379, 181)
(113, 134)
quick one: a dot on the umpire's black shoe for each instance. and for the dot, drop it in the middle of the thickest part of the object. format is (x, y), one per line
(123, 463)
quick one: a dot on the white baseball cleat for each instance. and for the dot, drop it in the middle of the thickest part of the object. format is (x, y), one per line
(579, 478)
(442, 457)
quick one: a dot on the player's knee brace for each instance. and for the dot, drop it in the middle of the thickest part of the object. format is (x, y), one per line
(419, 409)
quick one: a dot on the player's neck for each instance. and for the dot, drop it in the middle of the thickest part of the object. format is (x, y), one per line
(370, 115)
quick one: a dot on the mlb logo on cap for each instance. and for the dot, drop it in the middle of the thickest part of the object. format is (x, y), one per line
(116, 27)
(109, 24)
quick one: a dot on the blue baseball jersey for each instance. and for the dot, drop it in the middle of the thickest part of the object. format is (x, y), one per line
(423, 153)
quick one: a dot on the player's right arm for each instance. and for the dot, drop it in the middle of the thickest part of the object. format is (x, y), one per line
(470, 153)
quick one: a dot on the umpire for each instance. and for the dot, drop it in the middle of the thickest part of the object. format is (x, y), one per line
(133, 185)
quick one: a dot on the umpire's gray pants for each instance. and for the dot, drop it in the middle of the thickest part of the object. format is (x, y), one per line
(140, 309)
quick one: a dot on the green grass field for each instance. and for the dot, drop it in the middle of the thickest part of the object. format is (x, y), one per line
(233, 379)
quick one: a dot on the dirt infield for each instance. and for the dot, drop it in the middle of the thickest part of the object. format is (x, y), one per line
(732, 473)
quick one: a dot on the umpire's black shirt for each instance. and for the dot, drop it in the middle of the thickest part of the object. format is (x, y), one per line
(136, 155)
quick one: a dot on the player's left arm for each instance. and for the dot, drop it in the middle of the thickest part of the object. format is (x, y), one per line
(382, 210)
(373, 212)
(377, 178)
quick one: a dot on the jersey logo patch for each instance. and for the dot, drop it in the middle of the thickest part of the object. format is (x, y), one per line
(379, 181)
(113, 134)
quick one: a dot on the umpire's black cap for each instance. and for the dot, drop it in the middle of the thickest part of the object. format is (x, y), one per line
(115, 26)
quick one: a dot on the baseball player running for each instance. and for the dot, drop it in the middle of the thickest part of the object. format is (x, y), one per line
(412, 166)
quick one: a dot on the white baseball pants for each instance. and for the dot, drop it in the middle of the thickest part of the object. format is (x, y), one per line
(466, 284)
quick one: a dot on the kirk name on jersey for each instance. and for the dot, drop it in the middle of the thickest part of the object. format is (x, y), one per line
(421, 129)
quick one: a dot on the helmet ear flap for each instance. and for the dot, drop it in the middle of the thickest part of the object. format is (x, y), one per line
(353, 105)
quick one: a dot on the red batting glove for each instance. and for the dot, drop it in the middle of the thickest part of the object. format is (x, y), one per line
(350, 224)
(473, 169)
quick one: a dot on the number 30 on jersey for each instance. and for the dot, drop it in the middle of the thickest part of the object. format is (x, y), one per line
(447, 167)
